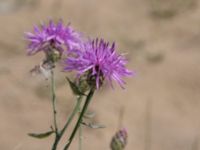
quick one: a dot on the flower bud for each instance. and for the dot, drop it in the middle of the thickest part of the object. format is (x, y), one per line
(53, 55)
(119, 140)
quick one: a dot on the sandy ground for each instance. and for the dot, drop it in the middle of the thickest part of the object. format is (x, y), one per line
(161, 103)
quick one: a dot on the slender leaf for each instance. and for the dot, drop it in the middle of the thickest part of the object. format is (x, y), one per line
(75, 89)
(89, 115)
(41, 135)
(93, 125)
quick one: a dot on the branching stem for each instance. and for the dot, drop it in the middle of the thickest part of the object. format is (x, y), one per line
(87, 101)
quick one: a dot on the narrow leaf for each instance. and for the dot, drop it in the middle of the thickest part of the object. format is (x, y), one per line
(75, 89)
(97, 126)
(89, 115)
(93, 126)
(41, 135)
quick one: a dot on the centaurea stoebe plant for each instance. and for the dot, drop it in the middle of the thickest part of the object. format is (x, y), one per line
(52, 39)
(94, 61)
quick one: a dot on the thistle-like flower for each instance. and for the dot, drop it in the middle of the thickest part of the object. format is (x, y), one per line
(119, 140)
(52, 37)
(98, 61)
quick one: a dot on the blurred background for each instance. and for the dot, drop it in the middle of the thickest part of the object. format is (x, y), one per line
(160, 106)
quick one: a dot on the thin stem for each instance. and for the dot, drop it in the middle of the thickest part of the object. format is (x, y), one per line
(54, 105)
(54, 101)
(80, 136)
(75, 110)
(89, 97)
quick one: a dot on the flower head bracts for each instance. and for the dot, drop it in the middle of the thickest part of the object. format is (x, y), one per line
(50, 36)
(99, 60)
(119, 140)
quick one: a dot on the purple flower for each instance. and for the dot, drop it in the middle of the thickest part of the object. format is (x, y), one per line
(56, 36)
(99, 61)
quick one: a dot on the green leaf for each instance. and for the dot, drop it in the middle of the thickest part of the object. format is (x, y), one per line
(75, 89)
(89, 115)
(41, 135)
(97, 126)
(93, 125)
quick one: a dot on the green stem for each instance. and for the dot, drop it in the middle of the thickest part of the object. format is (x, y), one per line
(89, 97)
(75, 110)
(80, 136)
(54, 105)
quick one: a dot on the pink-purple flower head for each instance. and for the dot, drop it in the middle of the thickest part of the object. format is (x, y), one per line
(52, 35)
(99, 60)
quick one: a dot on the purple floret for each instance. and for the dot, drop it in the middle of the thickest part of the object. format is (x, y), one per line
(52, 35)
(100, 59)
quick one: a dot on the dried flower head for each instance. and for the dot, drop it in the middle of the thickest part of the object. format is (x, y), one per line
(119, 140)
(52, 36)
(98, 61)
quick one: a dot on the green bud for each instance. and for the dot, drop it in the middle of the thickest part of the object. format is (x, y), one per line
(119, 140)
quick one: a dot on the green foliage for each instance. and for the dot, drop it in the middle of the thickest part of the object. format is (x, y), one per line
(89, 115)
(93, 125)
(75, 89)
(41, 135)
